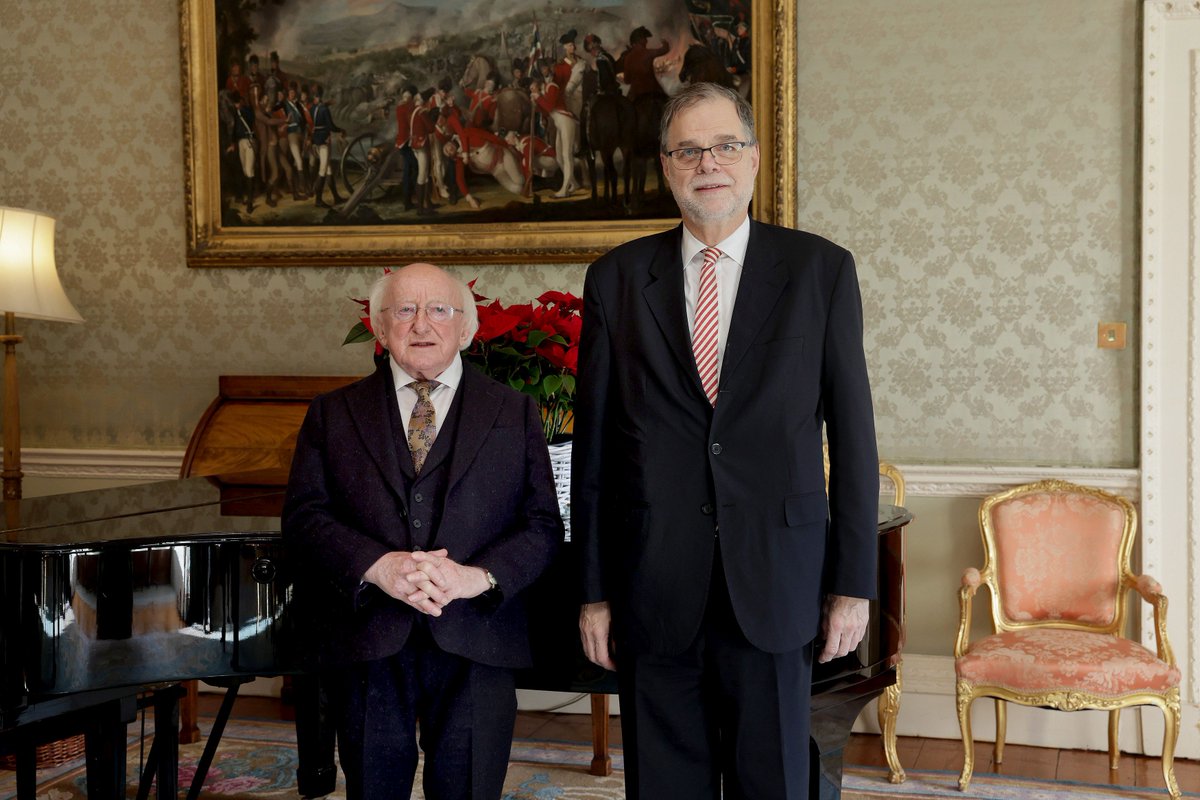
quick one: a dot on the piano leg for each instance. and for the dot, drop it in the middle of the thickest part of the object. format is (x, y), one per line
(105, 747)
(316, 775)
(166, 740)
(830, 733)
(214, 738)
(26, 770)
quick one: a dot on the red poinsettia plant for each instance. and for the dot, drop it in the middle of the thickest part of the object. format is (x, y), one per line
(532, 347)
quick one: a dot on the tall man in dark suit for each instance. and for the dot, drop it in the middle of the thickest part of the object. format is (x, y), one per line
(711, 358)
(421, 504)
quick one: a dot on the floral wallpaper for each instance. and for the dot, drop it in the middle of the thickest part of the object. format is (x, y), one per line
(979, 158)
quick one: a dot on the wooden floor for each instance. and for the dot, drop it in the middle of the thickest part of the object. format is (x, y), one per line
(915, 753)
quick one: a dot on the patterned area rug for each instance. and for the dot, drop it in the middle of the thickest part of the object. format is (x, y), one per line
(258, 760)
(870, 783)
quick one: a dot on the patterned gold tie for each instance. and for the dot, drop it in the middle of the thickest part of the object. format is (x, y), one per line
(704, 331)
(422, 425)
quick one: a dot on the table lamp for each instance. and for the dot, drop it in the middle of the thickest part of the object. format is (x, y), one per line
(29, 287)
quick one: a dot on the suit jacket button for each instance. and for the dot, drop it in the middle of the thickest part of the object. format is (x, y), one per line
(706, 509)
(416, 523)
(418, 497)
(416, 549)
(716, 448)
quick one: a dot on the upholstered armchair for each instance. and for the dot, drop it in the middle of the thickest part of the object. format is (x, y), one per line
(1056, 564)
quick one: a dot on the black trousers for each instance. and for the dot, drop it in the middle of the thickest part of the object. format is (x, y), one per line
(720, 716)
(459, 713)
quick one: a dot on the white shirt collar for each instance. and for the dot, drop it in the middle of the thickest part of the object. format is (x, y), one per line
(451, 376)
(734, 246)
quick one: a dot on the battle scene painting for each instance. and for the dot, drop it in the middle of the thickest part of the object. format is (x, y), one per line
(369, 112)
(352, 132)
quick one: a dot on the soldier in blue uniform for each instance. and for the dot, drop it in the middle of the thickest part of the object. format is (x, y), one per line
(323, 129)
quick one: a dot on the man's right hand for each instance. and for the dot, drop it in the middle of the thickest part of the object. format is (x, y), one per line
(595, 626)
(390, 573)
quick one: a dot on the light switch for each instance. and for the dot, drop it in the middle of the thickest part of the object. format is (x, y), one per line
(1111, 335)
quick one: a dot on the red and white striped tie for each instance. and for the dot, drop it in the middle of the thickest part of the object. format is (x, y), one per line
(704, 331)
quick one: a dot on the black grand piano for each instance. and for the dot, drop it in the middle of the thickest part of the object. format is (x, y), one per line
(109, 599)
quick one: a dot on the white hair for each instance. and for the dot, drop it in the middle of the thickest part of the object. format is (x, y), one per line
(379, 290)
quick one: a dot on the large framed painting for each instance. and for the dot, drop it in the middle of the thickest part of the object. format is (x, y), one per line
(357, 132)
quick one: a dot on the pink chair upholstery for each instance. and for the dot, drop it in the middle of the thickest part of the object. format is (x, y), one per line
(1056, 563)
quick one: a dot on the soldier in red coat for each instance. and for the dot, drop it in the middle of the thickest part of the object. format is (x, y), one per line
(484, 153)
(549, 99)
(237, 82)
(408, 164)
(637, 64)
(533, 150)
(421, 138)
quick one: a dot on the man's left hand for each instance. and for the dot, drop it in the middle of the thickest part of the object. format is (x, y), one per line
(843, 624)
(443, 579)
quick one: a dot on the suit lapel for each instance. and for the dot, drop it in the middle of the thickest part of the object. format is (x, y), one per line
(481, 404)
(763, 279)
(664, 296)
(367, 403)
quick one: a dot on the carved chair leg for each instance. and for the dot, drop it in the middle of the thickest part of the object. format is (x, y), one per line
(1001, 729)
(964, 723)
(1114, 736)
(889, 710)
(1170, 732)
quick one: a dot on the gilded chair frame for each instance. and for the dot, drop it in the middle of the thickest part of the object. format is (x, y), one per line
(1065, 699)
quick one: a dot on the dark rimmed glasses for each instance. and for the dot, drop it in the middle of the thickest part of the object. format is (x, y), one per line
(725, 154)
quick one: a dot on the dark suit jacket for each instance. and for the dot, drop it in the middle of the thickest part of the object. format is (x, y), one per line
(346, 507)
(655, 467)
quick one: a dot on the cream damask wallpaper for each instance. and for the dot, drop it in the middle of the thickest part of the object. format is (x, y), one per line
(978, 157)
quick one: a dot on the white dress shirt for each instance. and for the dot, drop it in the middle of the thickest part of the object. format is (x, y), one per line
(729, 274)
(441, 396)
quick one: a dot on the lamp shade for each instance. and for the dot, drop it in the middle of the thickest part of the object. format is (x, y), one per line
(29, 285)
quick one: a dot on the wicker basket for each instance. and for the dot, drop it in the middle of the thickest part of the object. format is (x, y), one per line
(560, 465)
(51, 754)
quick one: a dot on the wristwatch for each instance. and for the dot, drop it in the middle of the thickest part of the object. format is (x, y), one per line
(491, 599)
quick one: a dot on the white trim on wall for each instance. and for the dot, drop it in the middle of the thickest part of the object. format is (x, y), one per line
(141, 465)
(968, 480)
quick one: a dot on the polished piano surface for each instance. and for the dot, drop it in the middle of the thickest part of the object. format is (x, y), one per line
(107, 592)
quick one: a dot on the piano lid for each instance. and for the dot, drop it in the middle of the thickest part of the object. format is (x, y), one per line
(162, 512)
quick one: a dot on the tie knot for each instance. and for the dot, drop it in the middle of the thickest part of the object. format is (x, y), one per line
(711, 255)
(423, 388)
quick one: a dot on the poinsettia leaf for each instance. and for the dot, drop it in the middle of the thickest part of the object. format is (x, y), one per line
(568, 384)
(536, 337)
(516, 383)
(552, 383)
(359, 333)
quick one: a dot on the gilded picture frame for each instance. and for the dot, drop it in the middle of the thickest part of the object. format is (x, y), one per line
(220, 232)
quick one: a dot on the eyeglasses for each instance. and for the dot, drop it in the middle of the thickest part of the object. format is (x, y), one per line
(434, 312)
(725, 154)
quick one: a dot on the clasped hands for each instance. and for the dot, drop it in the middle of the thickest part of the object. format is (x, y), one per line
(427, 580)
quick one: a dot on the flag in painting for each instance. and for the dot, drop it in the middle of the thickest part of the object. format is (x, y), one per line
(535, 50)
